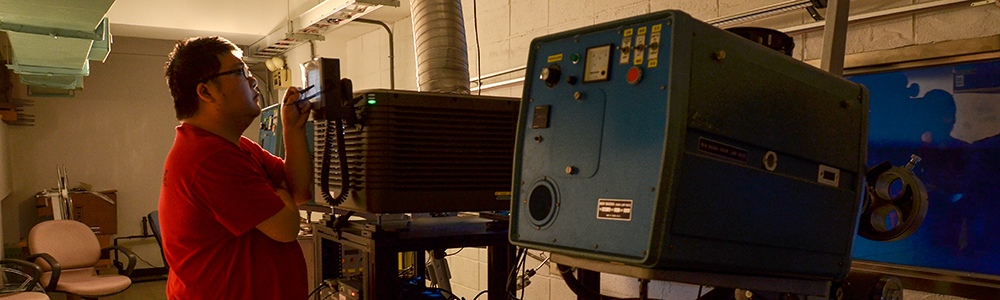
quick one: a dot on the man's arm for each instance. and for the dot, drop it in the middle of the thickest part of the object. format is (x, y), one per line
(298, 161)
(284, 225)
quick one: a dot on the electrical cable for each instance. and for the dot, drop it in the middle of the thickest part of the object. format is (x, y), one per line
(456, 252)
(524, 262)
(317, 289)
(513, 272)
(520, 264)
(408, 271)
(142, 260)
(479, 56)
(480, 294)
(342, 110)
(342, 155)
(145, 261)
(453, 296)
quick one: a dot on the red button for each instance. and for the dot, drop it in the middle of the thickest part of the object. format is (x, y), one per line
(634, 75)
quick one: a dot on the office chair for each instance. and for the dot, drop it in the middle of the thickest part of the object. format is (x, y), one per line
(67, 251)
(20, 280)
(154, 224)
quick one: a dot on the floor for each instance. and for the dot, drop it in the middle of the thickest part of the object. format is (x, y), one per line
(147, 290)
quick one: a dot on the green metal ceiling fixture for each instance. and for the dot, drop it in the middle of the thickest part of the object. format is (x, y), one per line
(52, 41)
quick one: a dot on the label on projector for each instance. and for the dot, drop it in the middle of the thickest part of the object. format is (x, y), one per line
(723, 150)
(502, 196)
(614, 209)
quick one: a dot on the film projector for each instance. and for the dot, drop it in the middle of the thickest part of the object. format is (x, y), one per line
(661, 143)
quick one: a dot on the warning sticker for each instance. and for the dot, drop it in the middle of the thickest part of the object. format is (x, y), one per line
(614, 209)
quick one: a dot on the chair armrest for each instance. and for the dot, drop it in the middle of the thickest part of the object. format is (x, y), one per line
(56, 269)
(128, 253)
(33, 272)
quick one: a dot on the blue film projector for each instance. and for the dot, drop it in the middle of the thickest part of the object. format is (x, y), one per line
(660, 141)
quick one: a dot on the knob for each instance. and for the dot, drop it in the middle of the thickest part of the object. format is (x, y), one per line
(551, 75)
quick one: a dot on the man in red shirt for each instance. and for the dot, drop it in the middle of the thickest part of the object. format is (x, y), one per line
(228, 208)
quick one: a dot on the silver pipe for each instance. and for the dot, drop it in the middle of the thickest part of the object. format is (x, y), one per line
(496, 74)
(392, 50)
(439, 43)
(312, 49)
(498, 84)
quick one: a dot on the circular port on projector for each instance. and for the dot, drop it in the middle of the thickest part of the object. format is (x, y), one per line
(542, 204)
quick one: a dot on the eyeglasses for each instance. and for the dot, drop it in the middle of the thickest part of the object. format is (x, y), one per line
(242, 71)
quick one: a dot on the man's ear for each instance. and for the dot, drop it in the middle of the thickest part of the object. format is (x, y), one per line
(204, 92)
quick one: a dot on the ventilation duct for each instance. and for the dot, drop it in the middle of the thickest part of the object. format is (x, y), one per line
(52, 41)
(439, 42)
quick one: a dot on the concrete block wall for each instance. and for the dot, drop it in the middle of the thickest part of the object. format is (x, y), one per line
(469, 278)
(506, 27)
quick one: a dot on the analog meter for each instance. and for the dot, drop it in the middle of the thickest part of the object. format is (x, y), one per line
(598, 64)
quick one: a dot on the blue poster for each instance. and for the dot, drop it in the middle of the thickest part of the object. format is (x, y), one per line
(950, 117)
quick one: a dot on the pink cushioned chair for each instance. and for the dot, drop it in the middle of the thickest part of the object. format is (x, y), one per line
(67, 251)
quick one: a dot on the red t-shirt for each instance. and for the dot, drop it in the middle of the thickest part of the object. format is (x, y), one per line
(212, 196)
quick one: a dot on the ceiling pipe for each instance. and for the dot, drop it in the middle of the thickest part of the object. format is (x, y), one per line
(392, 50)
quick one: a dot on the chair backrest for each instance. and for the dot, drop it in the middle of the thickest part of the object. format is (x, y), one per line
(70, 242)
(154, 224)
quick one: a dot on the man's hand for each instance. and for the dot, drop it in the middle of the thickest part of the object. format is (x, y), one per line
(294, 114)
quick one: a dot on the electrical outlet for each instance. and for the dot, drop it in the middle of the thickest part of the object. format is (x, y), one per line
(281, 79)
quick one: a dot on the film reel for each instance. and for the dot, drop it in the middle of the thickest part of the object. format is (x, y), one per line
(895, 204)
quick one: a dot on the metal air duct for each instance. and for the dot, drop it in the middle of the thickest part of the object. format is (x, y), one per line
(439, 41)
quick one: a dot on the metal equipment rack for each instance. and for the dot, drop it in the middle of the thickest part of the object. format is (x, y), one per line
(380, 246)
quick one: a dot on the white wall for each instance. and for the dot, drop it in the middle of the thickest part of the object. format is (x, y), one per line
(506, 28)
(115, 134)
